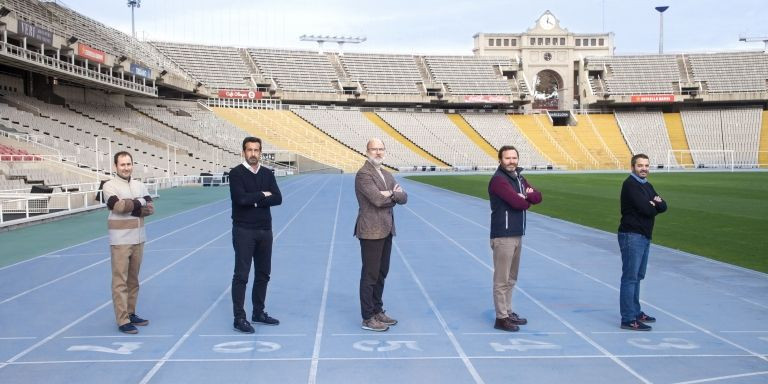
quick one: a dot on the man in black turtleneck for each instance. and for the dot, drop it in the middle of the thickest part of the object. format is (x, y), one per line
(253, 190)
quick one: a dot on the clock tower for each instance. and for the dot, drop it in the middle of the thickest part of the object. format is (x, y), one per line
(549, 58)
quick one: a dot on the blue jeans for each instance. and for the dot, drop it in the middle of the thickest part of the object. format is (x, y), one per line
(634, 259)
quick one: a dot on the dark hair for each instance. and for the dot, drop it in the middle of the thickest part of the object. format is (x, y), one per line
(507, 148)
(251, 139)
(121, 154)
(638, 156)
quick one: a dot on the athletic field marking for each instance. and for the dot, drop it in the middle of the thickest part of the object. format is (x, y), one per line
(440, 319)
(324, 300)
(540, 304)
(702, 329)
(181, 341)
(89, 314)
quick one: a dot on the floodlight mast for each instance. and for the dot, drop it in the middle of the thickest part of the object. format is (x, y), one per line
(661, 27)
(341, 40)
(133, 4)
(750, 39)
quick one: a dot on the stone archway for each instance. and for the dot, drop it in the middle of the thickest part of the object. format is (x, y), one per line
(548, 90)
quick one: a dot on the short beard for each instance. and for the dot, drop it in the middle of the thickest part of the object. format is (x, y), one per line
(375, 161)
(252, 161)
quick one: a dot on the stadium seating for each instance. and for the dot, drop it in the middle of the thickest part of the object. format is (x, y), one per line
(470, 75)
(56, 17)
(392, 74)
(298, 71)
(646, 133)
(499, 130)
(610, 133)
(630, 75)
(731, 72)
(217, 67)
(353, 129)
(289, 132)
(438, 135)
(736, 129)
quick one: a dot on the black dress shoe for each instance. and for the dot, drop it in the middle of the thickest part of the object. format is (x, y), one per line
(243, 326)
(264, 318)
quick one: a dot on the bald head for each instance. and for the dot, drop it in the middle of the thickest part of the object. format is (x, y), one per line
(375, 151)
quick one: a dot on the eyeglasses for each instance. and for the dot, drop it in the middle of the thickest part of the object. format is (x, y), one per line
(377, 149)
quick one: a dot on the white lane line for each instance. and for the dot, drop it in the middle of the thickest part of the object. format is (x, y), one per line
(52, 253)
(253, 335)
(742, 331)
(181, 341)
(630, 332)
(659, 309)
(19, 338)
(109, 258)
(711, 379)
(384, 334)
(753, 302)
(324, 299)
(117, 336)
(670, 314)
(89, 314)
(184, 338)
(416, 358)
(467, 363)
(502, 333)
(104, 260)
(541, 305)
(604, 235)
(105, 236)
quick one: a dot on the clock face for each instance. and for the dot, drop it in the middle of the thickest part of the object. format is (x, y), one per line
(547, 56)
(547, 21)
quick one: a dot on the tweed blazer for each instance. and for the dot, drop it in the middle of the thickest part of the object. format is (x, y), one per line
(375, 219)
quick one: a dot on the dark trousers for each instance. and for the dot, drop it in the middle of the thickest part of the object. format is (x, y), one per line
(256, 245)
(375, 255)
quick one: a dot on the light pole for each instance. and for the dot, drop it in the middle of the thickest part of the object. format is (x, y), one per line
(661, 27)
(133, 4)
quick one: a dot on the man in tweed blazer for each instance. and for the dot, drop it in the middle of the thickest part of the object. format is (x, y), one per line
(377, 192)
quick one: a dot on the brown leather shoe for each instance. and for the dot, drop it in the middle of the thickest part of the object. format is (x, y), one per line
(506, 324)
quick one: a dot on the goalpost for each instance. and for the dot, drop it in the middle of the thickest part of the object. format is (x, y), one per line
(700, 159)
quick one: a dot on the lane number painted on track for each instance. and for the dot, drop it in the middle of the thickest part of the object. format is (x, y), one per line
(665, 344)
(522, 345)
(125, 348)
(246, 346)
(385, 346)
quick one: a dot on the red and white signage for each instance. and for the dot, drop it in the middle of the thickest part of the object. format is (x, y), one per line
(486, 99)
(239, 94)
(92, 54)
(653, 98)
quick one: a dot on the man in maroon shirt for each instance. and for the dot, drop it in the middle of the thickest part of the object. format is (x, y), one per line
(510, 196)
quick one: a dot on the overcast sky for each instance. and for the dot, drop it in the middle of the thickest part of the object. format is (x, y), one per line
(434, 26)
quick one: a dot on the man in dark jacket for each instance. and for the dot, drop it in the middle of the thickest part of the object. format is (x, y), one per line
(639, 206)
(253, 190)
(510, 196)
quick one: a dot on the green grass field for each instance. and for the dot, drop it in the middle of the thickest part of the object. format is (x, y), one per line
(723, 216)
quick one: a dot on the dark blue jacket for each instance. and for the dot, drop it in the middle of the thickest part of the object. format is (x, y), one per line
(507, 206)
(250, 208)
